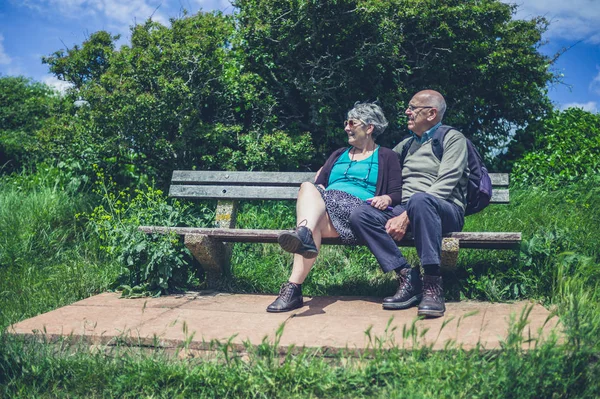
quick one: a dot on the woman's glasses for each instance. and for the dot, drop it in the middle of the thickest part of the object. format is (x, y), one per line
(353, 123)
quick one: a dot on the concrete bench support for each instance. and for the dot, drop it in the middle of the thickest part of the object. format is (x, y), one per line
(213, 255)
(450, 247)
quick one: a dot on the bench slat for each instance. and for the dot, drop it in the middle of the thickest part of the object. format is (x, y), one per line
(489, 240)
(190, 177)
(265, 193)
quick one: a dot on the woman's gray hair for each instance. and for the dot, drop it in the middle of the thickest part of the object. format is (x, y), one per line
(371, 114)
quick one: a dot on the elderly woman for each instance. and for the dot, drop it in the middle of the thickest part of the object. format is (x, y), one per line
(352, 175)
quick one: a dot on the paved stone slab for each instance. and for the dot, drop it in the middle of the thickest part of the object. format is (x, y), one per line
(331, 323)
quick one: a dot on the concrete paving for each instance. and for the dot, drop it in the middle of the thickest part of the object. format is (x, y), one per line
(330, 323)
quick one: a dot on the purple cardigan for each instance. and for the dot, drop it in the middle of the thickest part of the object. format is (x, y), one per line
(389, 178)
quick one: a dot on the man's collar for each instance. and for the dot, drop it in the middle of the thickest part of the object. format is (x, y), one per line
(426, 135)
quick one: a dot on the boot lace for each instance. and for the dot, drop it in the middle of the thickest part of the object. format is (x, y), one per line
(404, 284)
(431, 289)
(302, 223)
(287, 291)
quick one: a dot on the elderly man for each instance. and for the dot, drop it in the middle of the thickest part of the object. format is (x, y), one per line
(433, 203)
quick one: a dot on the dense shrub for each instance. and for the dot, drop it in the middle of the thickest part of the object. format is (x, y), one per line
(24, 108)
(566, 150)
(151, 263)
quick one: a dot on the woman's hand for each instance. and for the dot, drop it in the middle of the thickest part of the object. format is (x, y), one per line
(380, 202)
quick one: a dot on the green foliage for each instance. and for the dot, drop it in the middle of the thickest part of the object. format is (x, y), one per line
(317, 58)
(175, 98)
(547, 369)
(48, 258)
(24, 108)
(566, 150)
(152, 263)
(86, 63)
(36, 215)
(254, 90)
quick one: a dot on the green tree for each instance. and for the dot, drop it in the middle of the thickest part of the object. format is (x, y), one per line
(83, 64)
(566, 150)
(318, 57)
(175, 98)
(24, 107)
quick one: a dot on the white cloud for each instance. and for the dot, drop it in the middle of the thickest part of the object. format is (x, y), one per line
(59, 85)
(118, 14)
(590, 106)
(220, 5)
(4, 58)
(572, 20)
(595, 83)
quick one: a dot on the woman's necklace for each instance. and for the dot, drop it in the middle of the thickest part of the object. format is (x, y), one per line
(353, 152)
(349, 176)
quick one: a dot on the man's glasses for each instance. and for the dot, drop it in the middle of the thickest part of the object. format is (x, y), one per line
(412, 108)
(353, 123)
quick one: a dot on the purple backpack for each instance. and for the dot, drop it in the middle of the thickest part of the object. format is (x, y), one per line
(479, 186)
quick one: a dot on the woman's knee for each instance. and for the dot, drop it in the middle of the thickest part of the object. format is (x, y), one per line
(308, 191)
(307, 186)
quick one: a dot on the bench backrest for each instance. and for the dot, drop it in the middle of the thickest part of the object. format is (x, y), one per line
(225, 185)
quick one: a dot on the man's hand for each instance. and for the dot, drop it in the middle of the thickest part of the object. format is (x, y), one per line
(396, 227)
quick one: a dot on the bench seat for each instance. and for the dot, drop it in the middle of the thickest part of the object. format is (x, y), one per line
(483, 240)
(212, 246)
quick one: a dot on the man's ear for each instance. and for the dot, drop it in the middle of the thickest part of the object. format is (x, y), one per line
(432, 114)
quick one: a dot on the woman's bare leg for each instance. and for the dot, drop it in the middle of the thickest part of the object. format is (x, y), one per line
(310, 214)
(310, 207)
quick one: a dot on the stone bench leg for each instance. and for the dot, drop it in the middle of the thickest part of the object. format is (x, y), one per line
(212, 254)
(449, 256)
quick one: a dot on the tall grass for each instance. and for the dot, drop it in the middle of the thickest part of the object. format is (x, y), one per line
(32, 369)
(47, 257)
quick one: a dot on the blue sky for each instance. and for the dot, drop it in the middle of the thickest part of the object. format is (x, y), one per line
(30, 29)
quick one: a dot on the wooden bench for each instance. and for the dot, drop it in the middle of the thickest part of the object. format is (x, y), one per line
(212, 246)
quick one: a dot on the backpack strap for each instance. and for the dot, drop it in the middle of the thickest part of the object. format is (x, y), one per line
(402, 155)
(437, 141)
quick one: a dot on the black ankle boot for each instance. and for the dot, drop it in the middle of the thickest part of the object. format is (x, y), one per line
(299, 241)
(432, 304)
(290, 298)
(409, 290)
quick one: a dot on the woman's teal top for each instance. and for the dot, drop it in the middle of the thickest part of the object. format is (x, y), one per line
(358, 178)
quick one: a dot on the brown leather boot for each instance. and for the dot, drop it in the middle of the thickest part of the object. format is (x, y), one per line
(432, 304)
(409, 290)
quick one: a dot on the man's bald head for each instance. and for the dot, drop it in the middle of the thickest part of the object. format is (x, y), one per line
(435, 99)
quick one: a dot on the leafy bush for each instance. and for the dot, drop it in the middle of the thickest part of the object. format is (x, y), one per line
(25, 106)
(151, 263)
(566, 150)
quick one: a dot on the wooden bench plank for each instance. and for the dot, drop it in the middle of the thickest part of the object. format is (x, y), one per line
(489, 240)
(266, 193)
(243, 178)
(195, 177)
